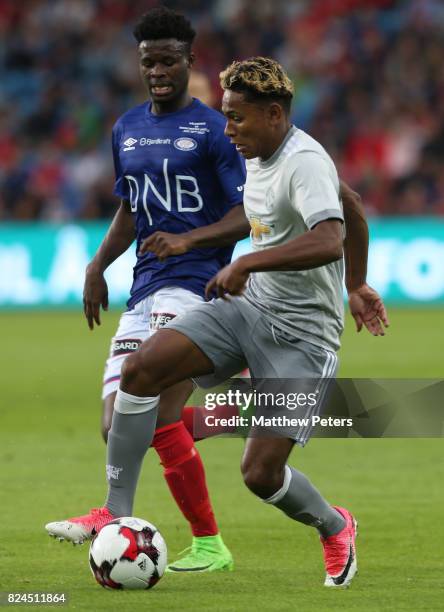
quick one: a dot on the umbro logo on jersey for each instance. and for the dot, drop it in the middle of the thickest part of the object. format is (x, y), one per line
(129, 144)
(145, 142)
(185, 144)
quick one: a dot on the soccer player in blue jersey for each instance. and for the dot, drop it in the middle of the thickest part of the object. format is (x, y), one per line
(176, 173)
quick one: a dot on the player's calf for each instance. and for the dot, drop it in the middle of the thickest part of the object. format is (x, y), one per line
(107, 414)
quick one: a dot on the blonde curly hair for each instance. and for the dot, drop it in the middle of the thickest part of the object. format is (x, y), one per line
(259, 76)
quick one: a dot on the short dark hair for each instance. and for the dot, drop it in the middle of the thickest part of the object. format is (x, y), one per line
(259, 79)
(160, 23)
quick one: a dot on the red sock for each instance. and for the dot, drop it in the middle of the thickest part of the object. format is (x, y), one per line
(187, 417)
(185, 476)
(193, 418)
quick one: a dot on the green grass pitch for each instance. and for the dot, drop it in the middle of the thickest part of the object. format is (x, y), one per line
(52, 467)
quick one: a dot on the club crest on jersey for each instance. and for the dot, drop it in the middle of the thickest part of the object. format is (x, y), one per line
(185, 144)
(129, 144)
(259, 229)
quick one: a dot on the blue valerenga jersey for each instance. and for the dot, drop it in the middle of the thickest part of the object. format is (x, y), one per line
(179, 172)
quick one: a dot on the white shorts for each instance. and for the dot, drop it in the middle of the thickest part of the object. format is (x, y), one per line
(138, 324)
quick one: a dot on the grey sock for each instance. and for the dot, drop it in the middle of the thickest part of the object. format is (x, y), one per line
(129, 438)
(301, 501)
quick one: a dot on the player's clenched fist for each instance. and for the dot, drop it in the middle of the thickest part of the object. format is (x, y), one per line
(231, 279)
(164, 244)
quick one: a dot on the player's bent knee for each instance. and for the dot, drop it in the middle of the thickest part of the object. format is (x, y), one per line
(261, 480)
(141, 376)
(254, 479)
(132, 369)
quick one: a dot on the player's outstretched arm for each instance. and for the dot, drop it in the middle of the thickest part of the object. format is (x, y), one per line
(231, 228)
(119, 237)
(366, 305)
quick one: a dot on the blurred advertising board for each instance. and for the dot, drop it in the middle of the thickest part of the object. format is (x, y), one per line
(42, 265)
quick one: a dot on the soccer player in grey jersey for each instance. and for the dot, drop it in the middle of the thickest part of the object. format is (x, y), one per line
(278, 311)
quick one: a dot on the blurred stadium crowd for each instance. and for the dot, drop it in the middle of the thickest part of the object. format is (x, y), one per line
(368, 74)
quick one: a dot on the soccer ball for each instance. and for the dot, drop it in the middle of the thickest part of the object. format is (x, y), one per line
(128, 553)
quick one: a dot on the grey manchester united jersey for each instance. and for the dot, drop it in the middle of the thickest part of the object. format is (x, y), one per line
(286, 196)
